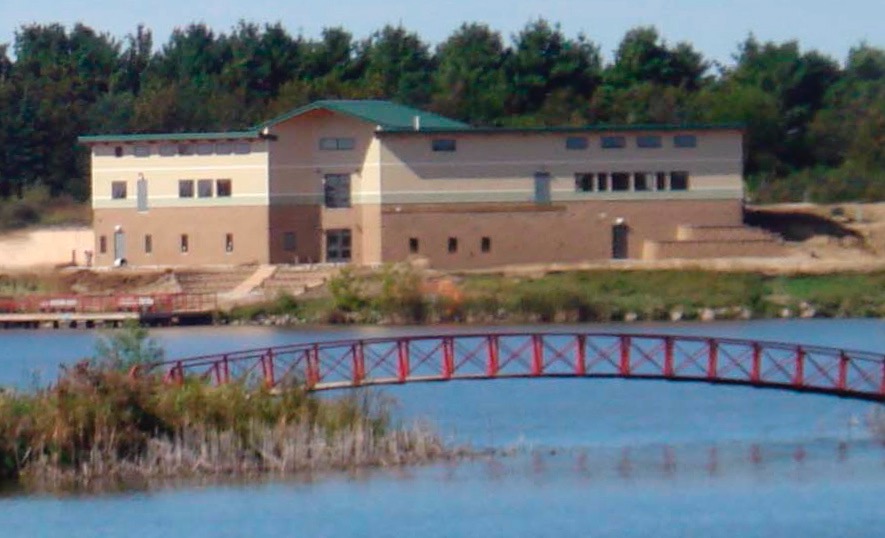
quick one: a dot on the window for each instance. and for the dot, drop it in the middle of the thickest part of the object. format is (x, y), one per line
(142, 192)
(337, 190)
(118, 151)
(337, 144)
(640, 182)
(185, 149)
(661, 181)
(224, 148)
(678, 181)
(142, 151)
(229, 242)
(103, 245)
(583, 182)
(185, 188)
(205, 149)
(602, 182)
(148, 244)
(443, 144)
(118, 190)
(648, 141)
(242, 148)
(338, 246)
(223, 188)
(485, 244)
(184, 243)
(685, 141)
(453, 245)
(613, 142)
(204, 188)
(413, 245)
(289, 244)
(576, 142)
(620, 181)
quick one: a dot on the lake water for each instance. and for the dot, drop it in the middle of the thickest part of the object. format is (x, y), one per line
(585, 457)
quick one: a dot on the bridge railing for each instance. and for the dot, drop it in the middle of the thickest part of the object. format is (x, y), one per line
(158, 303)
(352, 363)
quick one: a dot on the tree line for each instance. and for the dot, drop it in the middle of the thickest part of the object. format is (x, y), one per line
(815, 126)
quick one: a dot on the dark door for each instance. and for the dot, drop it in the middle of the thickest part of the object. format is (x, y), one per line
(619, 241)
(542, 188)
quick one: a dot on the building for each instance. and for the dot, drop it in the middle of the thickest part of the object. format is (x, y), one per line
(369, 182)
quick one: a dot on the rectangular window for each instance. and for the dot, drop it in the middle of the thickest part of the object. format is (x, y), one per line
(640, 181)
(204, 188)
(602, 182)
(184, 243)
(148, 244)
(443, 144)
(648, 141)
(142, 151)
(685, 141)
(336, 189)
(224, 148)
(205, 149)
(413, 245)
(118, 190)
(229, 242)
(453, 245)
(242, 148)
(338, 246)
(289, 244)
(620, 181)
(185, 149)
(678, 181)
(168, 150)
(613, 142)
(661, 181)
(485, 244)
(185, 188)
(337, 144)
(223, 188)
(576, 142)
(103, 245)
(583, 182)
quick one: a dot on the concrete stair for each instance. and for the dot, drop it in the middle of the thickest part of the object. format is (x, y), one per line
(214, 281)
(295, 280)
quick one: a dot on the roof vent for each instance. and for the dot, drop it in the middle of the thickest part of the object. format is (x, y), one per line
(416, 122)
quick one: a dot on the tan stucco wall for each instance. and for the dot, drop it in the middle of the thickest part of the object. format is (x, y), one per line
(206, 229)
(46, 247)
(561, 232)
(501, 167)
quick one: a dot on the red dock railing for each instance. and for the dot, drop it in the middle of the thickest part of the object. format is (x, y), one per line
(408, 359)
(165, 303)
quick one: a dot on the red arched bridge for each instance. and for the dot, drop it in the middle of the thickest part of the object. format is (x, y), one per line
(408, 359)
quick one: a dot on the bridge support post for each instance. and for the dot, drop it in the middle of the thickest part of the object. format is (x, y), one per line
(537, 354)
(402, 370)
(756, 368)
(713, 359)
(267, 369)
(448, 367)
(669, 370)
(225, 370)
(493, 359)
(799, 371)
(581, 354)
(842, 383)
(624, 368)
(359, 363)
(313, 367)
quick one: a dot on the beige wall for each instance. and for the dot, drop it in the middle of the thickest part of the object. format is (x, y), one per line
(46, 247)
(501, 167)
(206, 229)
(529, 233)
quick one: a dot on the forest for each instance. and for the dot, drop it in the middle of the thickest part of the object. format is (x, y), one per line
(815, 125)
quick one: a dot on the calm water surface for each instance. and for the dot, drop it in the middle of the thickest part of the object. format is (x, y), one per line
(588, 458)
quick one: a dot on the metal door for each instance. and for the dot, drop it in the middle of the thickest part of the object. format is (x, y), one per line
(620, 241)
(119, 245)
(542, 188)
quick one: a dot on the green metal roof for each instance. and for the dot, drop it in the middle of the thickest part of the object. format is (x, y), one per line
(577, 129)
(167, 137)
(386, 115)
